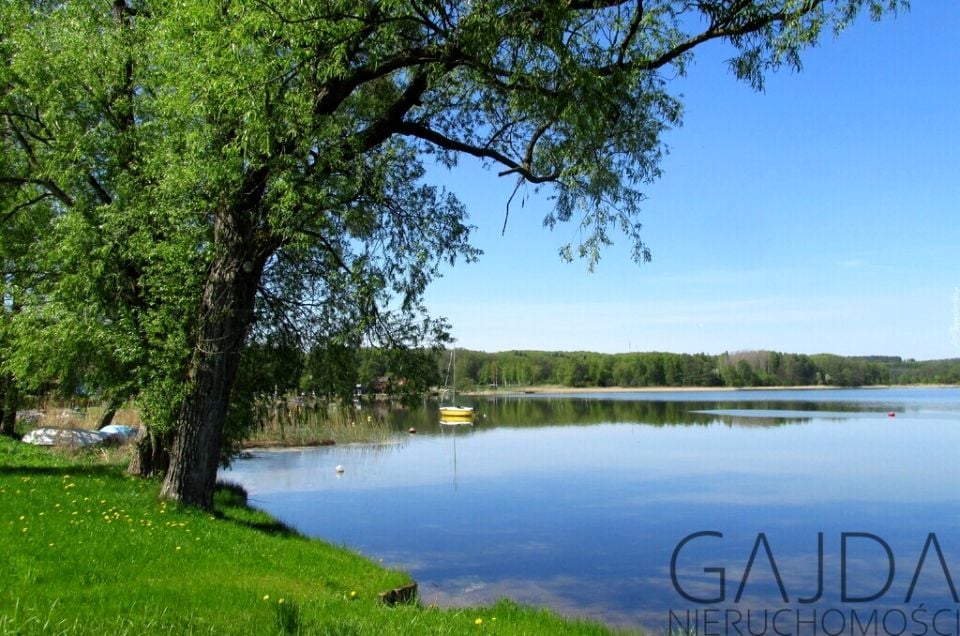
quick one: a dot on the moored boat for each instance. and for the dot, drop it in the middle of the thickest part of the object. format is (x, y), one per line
(452, 413)
(456, 414)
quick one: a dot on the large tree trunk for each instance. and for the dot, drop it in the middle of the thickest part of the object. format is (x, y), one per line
(3, 404)
(226, 315)
(9, 403)
(151, 454)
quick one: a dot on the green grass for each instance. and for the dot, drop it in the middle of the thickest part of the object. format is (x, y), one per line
(86, 549)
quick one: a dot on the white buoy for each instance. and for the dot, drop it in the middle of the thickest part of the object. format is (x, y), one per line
(339, 469)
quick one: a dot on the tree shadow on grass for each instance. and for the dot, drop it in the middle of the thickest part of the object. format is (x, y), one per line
(230, 504)
(84, 471)
(230, 500)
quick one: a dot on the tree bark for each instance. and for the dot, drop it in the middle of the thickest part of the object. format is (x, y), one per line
(3, 405)
(9, 403)
(227, 311)
(107, 418)
(150, 456)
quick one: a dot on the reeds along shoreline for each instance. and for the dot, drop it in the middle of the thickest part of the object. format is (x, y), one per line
(310, 421)
(278, 420)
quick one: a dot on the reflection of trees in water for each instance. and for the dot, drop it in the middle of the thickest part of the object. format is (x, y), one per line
(747, 421)
(663, 412)
(532, 412)
(578, 411)
(421, 418)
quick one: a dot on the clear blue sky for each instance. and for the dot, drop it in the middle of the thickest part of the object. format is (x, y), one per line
(818, 216)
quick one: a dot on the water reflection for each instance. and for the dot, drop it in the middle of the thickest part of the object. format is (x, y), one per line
(579, 503)
(683, 408)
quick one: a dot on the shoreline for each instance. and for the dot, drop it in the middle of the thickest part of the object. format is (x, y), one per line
(558, 390)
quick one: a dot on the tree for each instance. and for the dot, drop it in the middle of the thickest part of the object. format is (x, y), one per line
(206, 166)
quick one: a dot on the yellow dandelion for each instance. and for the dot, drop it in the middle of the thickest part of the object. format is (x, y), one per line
(178, 547)
(266, 597)
(353, 594)
(280, 602)
(479, 621)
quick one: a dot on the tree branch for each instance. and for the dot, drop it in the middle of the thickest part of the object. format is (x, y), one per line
(631, 32)
(331, 96)
(594, 5)
(102, 194)
(26, 204)
(413, 129)
(383, 128)
(330, 249)
(52, 187)
(716, 31)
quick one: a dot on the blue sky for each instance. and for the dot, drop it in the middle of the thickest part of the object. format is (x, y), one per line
(818, 216)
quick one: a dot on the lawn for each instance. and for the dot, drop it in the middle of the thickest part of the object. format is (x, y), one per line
(87, 549)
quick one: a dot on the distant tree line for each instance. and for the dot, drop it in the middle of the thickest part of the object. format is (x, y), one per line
(337, 371)
(660, 369)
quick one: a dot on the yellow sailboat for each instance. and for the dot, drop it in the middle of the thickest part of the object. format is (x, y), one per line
(452, 413)
(456, 414)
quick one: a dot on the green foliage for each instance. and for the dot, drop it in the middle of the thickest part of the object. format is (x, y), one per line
(193, 177)
(926, 372)
(125, 131)
(656, 369)
(840, 371)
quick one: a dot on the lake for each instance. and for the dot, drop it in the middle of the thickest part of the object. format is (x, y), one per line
(764, 512)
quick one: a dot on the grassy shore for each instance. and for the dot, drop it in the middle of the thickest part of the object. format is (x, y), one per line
(86, 549)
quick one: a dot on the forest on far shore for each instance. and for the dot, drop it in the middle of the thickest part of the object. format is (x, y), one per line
(337, 371)
(653, 369)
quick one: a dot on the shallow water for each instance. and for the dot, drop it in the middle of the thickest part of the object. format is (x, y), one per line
(580, 502)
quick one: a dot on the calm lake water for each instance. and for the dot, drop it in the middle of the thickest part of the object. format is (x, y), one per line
(643, 509)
